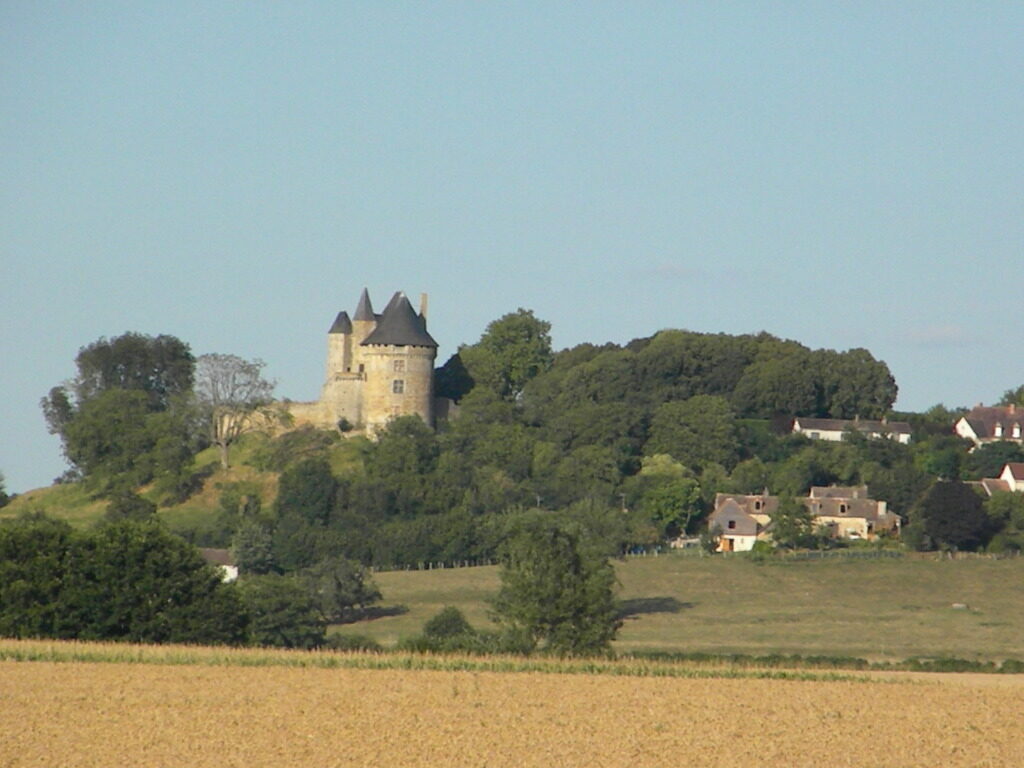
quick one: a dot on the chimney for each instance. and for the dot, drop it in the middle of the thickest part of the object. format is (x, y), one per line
(1013, 408)
(423, 306)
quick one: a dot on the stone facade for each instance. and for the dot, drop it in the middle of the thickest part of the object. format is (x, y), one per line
(379, 366)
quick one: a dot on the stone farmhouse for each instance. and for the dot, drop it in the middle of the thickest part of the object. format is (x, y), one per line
(991, 424)
(379, 366)
(834, 429)
(846, 512)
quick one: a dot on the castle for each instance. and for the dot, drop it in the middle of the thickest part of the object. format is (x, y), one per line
(379, 366)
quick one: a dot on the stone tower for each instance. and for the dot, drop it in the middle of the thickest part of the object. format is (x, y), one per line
(379, 365)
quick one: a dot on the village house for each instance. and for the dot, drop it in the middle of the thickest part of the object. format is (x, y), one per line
(1010, 479)
(221, 559)
(834, 429)
(846, 512)
(991, 424)
(741, 519)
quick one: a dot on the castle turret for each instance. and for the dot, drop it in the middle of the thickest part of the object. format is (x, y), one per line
(364, 320)
(339, 346)
(399, 358)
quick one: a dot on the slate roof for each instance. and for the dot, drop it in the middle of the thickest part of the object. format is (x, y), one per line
(341, 323)
(217, 556)
(399, 325)
(983, 420)
(745, 524)
(862, 425)
(1016, 470)
(839, 492)
(992, 484)
(364, 311)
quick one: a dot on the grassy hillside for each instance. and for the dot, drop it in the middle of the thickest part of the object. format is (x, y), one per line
(876, 609)
(72, 502)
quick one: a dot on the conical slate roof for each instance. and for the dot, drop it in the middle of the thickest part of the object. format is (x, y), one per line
(341, 323)
(365, 309)
(399, 325)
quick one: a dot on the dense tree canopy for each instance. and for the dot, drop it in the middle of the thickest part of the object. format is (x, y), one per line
(950, 515)
(127, 580)
(125, 418)
(514, 349)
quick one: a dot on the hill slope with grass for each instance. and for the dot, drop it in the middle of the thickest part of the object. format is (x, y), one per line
(74, 502)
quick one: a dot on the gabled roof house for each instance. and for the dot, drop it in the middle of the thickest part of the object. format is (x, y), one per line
(988, 424)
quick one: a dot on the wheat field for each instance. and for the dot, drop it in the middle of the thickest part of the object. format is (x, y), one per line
(141, 714)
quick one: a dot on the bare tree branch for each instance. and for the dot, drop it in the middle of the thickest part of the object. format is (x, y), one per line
(234, 396)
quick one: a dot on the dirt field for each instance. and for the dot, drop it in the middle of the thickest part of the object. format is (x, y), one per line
(88, 714)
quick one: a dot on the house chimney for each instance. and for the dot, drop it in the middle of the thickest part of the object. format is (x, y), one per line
(1013, 408)
(423, 306)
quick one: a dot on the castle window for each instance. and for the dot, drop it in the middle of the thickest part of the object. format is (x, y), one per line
(398, 386)
(398, 366)
(362, 367)
(842, 509)
(732, 525)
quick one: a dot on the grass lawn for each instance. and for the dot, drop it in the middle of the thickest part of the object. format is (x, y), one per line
(874, 609)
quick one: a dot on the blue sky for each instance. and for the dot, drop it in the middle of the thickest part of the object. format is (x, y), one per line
(844, 174)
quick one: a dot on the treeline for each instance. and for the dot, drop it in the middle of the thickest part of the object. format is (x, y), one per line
(133, 580)
(632, 442)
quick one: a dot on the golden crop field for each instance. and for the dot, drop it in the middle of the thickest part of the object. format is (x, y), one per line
(155, 714)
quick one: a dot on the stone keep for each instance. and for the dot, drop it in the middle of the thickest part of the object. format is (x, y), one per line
(378, 366)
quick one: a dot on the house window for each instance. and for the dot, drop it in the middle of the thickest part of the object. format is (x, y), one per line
(1016, 431)
(398, 366)
(731, 525)
(398, 386)
(999, 430)
(842, 509)
(757, 505)
(815, 435)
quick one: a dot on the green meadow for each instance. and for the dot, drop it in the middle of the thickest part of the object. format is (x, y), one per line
(878, 609)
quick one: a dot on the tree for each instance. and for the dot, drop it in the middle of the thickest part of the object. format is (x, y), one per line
(697, 432)
(122, 419)
(34, 552)
(792, 524)
(780, 381)
(557, 588)
(1013, 396)
(512, 350)
(252, 547)
(307, 489)
(135, 581)
(283, 612)
(950, 515)
(4, 498)
(449, 622)
(126, 505)
(673, 504)
(989, 459)
(341, 588)
(160, 366)
(118, 443)
(233, 393)
(853, 383)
